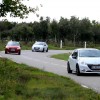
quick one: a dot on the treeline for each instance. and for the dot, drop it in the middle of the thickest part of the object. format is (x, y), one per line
(73, 29)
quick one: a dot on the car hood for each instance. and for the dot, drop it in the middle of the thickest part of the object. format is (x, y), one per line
(90, 60)
(37, 46)
(12, 46)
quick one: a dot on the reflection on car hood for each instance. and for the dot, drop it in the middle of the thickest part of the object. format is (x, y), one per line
(12, 46)
(37, 45)
(90, 60)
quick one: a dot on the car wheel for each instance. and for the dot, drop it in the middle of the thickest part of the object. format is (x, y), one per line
(5, 52)
(19, 52)
(78, 70)
(47, 50)
(32, 50)
(43, 50)
(68, 68)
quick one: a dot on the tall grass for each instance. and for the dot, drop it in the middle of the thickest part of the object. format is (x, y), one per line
(63, 56)
(21, 82)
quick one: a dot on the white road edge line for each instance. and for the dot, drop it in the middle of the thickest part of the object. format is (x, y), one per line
(84, 86)
(43, 62)
(0, 56)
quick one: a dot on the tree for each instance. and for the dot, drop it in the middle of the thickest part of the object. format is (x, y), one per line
(16, 8)
(74, 27)
(54, 30)
(63, 28)
(96, 31)
(44, 28)
(5, 27)
(22, 31)
(36, 30)
(86, 30)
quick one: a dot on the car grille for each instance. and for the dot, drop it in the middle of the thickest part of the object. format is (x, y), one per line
(36, 48)
(94, 67)
(12, 49)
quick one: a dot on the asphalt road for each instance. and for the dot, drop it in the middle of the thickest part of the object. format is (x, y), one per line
(44, 62)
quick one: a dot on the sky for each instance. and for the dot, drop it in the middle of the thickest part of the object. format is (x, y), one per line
(55, 9)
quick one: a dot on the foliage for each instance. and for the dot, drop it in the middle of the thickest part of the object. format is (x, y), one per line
(71, 30)
(16, 8)
(21, 82)
(28, 46)
(54, 32)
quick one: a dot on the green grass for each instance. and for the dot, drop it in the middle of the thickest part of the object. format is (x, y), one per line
(28, 46)
(51, 46)
(21, 82)
(63, 56)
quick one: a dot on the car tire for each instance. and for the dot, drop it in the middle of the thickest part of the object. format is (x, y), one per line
(77, 70)
(68, 68)
(47, 50)
(5, 52)
(32, 50)
(43, 50)
(19, 53)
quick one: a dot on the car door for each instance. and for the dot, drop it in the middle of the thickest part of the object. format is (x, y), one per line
(73, 60)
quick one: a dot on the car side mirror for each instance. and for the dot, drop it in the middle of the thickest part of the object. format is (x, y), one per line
(74, 57)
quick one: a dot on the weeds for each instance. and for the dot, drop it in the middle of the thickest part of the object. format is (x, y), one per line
(21, 82)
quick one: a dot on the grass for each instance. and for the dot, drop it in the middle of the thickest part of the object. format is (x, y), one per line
(28, 46)
(51, 46)
(21, 82)
(63, 56)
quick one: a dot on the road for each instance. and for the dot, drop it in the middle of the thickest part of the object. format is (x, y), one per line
(45, 62)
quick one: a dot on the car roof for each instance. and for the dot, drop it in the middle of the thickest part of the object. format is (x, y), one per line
(13, 41)
(39, 41)
(86, 49)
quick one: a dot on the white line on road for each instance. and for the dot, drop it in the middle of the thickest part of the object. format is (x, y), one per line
(37, 60)
(84, 86)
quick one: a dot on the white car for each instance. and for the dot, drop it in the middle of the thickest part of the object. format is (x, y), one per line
(84, 60)
(40, 46)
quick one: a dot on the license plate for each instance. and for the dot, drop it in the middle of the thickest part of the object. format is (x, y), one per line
(12, 49)
(95, 67)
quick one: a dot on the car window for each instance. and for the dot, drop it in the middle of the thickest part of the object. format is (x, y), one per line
(44, 43)
(75, 54)
(39, 43)
(13, 44)
(89, 53)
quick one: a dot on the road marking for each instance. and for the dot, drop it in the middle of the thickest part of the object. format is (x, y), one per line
(37, 60)
(0, 56)
(84, 86)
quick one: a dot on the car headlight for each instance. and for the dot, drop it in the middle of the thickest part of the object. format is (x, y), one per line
(18, 48)
(6, 48)
(83, 63)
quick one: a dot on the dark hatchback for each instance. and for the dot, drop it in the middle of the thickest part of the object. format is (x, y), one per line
(13, 47)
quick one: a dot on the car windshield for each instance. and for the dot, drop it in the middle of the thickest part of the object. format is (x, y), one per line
(13, 44)
(39, 43)
(89, 53)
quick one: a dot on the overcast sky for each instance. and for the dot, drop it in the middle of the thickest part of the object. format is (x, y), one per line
(65, 8)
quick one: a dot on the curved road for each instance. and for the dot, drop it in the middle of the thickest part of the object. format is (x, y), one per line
(44, 62)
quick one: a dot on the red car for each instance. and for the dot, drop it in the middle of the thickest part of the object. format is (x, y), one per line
(13, 47)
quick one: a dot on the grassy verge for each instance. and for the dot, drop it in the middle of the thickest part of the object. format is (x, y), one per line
(21, 82)
(63, 56)
(28, 46)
